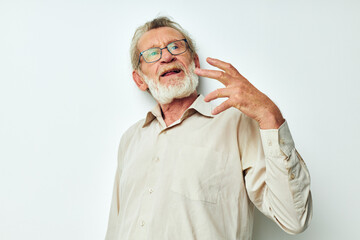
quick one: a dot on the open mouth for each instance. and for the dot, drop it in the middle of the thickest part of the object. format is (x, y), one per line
(170, 72)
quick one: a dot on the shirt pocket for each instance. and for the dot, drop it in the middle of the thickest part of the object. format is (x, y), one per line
(198, 173)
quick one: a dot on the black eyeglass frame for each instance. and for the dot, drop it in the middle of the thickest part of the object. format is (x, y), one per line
(184, 39)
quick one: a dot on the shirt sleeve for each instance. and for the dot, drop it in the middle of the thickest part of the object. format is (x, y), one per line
(276, 177)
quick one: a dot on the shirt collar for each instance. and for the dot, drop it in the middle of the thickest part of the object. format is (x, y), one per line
(199, 105)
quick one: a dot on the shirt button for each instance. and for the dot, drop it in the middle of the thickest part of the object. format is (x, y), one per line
(150, 190)
(142, 223)
(292, 176)
(269, 143)
(157, 159)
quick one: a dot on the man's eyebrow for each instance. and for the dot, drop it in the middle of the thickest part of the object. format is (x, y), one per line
(173, 40)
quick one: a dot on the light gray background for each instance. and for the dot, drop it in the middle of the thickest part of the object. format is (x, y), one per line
(66, 97)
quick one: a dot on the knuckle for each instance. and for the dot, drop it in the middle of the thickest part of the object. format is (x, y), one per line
(217, 93)
(221, 74)
(237, 97)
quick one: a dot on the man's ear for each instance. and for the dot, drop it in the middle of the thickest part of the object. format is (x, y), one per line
(197, 61)
(139, 81)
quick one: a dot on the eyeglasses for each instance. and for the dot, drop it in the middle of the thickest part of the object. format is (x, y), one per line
(154, 54)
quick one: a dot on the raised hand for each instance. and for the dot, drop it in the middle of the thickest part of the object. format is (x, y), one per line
(241, 94)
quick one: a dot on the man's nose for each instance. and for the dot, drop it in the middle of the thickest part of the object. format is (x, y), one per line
(167, 56)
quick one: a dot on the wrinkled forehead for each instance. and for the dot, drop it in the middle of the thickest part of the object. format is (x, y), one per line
(158, 37)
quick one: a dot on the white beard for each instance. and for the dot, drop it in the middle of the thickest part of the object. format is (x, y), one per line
(166, 94)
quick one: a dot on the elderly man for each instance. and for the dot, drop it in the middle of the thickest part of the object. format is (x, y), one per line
(191, 171)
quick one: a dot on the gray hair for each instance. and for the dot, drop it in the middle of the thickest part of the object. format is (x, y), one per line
(153, 24)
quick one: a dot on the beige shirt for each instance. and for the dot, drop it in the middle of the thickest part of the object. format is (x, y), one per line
(201, 177)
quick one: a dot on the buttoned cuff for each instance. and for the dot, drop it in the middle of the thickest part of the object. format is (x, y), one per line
(277, 141)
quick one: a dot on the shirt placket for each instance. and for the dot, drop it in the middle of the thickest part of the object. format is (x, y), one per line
(151, 189)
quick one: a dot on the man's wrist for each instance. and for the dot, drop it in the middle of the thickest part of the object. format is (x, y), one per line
(272, 120)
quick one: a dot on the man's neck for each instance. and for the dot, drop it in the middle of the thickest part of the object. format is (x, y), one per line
(174, 110)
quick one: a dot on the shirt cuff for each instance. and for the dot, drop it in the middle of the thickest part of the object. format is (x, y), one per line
(277, 141)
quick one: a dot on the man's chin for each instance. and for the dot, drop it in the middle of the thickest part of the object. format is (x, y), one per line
(168, 101)
(171, 81)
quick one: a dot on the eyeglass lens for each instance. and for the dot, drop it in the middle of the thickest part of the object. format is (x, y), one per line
(175, 48)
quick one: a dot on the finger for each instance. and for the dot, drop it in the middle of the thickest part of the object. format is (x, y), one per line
(222, 107)
(227, 67)
(214, 74)
(218, 93)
